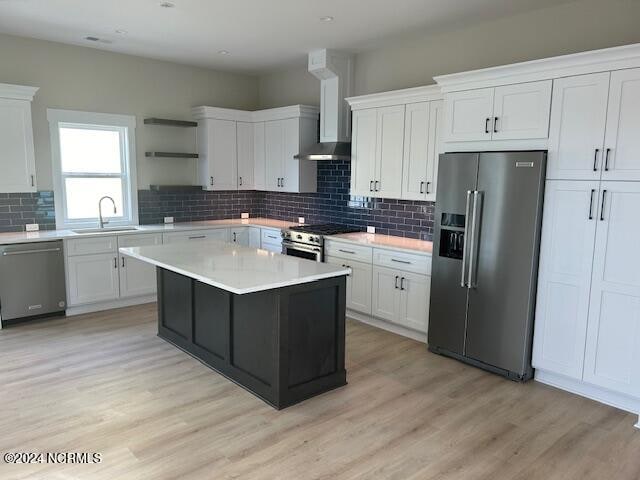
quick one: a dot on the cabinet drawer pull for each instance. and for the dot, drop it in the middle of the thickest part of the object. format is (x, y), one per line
(402, 283)
(604, 194)
(396, 285)
(401, 261)
(347, 251)
(197, 236)
(272, 236)
(606, 160)
(486, 125)
(593, 191)
(595, 160)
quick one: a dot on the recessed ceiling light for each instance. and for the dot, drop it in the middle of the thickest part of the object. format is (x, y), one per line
(328, 18)
(167, 5)
(121, 32)
(224, 52)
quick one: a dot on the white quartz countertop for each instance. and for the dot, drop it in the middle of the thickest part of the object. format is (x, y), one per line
(234, 268)
(385, 241)
(50, 235)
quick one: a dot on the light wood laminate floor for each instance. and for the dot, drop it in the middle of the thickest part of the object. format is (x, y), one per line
(105, 383)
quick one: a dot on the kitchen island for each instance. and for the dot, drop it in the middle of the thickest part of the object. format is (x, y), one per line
(271, 323)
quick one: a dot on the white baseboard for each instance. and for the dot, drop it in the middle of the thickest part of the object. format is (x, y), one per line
(390, 327)
(98, 307)
(618, 400)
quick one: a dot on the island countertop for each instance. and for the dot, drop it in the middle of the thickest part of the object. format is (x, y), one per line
(234, 268)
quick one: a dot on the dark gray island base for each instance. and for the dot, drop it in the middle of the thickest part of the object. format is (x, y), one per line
(284, 345)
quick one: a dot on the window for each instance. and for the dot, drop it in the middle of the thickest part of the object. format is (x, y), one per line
(93, 156)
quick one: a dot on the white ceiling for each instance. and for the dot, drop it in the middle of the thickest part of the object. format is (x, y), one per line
(259, 34)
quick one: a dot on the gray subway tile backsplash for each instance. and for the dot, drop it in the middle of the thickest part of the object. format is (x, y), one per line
(331, 204)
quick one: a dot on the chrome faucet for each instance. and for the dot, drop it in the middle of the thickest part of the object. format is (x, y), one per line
(102, 221)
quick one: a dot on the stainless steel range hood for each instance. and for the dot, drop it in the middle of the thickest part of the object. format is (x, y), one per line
(335, 71)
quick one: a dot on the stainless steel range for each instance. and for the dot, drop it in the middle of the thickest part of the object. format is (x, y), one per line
(307, 241)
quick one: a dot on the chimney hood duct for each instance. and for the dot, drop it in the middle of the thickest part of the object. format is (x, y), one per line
(335, 71)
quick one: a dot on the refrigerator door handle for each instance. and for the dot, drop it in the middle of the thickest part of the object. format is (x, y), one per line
(467, 213)
(473, 245)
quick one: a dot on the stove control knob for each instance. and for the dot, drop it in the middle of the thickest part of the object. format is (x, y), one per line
(299, 237)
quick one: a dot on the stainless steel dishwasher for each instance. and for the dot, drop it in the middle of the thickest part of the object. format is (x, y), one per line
(32, 280)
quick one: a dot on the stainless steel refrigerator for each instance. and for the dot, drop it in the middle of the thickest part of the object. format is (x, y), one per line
(485, 259)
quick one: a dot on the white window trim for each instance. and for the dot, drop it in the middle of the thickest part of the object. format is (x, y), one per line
(130, 195)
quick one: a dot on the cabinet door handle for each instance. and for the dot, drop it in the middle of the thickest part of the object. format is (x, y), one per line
(427, 191)
(375, 185)
(606, 160)
(371, 186)
(396, 285)
(595, 160)
(211, 181)
(593, 191)
(486, 125)
(495, 124)
(402, 283)
(421, 185)
(122, 262)
(234, 236)
(33, 181)
(115, 262)
(604, 194)
(240, 181)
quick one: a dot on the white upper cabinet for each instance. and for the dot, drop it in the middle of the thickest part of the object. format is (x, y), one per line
(217, 149)
(241, 150)
(16, 139)
(622, 139)
(395, 143)
(468, 115)
(259, 174)
(564, 279)
(521, 111)
(422, 146)
(389, 152)
(612, 358)
(510, 112)
(578, 119)
(245, 149)
(363, 151)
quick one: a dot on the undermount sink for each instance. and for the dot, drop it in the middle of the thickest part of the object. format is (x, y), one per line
(104, 230)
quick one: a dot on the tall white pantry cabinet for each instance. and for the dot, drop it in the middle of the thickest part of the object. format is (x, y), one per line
(587, 332)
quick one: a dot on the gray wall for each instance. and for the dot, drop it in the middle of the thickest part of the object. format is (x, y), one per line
(414, 60)
(79, 78)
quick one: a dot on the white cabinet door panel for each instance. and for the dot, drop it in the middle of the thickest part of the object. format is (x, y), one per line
(290, 171)
(386, 294)
(240, 236)
(363, 151)
(358, 284)
(274, 153)
(414, 301)
(521, 111)
(576, 135)
(17, 158)
(259, 172)
(254, 237)
(622, 140)
(468, 115)
(389, 152)
(566, 253)
(416, 151)
(612, 357)
(436, 124)
(137, 278)
(92, 278)
(245, 146)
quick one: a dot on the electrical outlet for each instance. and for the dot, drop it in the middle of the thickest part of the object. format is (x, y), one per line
(300, 220)
(371, 229)
(244, 215)
(168, 219)
(32, 227)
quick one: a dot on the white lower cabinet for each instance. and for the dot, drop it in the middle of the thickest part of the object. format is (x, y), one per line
(254, 237)
(137, 278)
(239, 236)
(271, 240)
(358, 284)
(588, 309)
(92, 278)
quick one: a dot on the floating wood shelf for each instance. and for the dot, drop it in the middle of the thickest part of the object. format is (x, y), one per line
(175, 188)
(170, 123)
(170, 155)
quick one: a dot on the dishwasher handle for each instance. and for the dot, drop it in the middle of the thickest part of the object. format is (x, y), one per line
(26, 252)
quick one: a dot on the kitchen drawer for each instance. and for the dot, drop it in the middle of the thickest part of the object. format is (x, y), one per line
(271, 236)
(407, 262)
(220, 234)
(348, 251)
(91, 246)
(140, 240)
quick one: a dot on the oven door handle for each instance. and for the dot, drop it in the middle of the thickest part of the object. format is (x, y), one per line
(303, 248)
